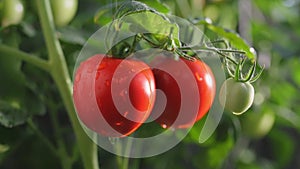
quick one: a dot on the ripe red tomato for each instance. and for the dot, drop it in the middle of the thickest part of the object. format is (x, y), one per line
(189, 88)
(113, 97)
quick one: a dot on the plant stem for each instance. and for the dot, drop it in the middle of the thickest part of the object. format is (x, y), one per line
(127, 152)
(62, 79)
(13, 52)
(42, 137)
(62, 150)
(123, 162)
(66, 163)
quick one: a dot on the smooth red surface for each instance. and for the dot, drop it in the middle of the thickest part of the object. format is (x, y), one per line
(178, 78)
(113, 97)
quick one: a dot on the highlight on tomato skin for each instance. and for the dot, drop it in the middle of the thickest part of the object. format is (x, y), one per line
(113, 97)
(186, 81)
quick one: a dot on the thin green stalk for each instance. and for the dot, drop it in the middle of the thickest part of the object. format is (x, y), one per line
(119, 159)
(127, 152)
(67, 162)
(135, 163)
(62, 79)
(123, 162)
(42, 137)
(8, 51)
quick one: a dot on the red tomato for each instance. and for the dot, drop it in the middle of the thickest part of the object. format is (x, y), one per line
(113, 97)
(189, 89)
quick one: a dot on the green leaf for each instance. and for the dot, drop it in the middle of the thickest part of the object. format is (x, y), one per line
(28, 29)
(233, 37)
(150, 22)
(283, 147)
(12, 80)
(3, 148)
(73, 36)
(125, 33)
(131, 7)
(11, 115)
(157, 5)
(217, 148)
(105, 14)
(294, 70)
(288, 117)
(283, 93)
(18, 99)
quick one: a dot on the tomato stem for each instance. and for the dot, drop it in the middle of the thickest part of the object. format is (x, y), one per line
(13, 52)
(231, 74)
(250, 73)
(253, 79)
(216, 50)
(219, 41)
(237, 71)
(43, 138)
(59, 72)
(123, 162)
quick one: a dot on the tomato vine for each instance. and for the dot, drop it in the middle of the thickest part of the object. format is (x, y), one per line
(57, 68)
(56, 65)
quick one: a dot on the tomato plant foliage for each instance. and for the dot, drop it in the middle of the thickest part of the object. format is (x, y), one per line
(35, 118)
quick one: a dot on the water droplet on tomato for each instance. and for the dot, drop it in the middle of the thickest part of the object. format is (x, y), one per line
(198, 77)
(123, 93)
(107, 83)
(77, 77)
(118, 123)
(125, 114)
(101, 66)
(90, 70)
(164, 126)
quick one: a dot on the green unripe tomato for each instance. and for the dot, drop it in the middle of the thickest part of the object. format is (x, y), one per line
(63, 11)
(236, 97)
(12, 12)
(257, 124)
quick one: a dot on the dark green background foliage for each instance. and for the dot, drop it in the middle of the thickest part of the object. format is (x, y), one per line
(29, 99)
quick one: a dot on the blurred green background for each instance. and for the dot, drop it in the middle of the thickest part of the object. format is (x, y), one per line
(265, 137)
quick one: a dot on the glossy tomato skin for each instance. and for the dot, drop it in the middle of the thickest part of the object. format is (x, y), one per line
(63, 11)
(12, 12)
(200, 83)
(113, 97)
(235, 96)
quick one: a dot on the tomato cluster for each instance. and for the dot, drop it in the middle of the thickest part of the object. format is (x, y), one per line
(113, 97)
